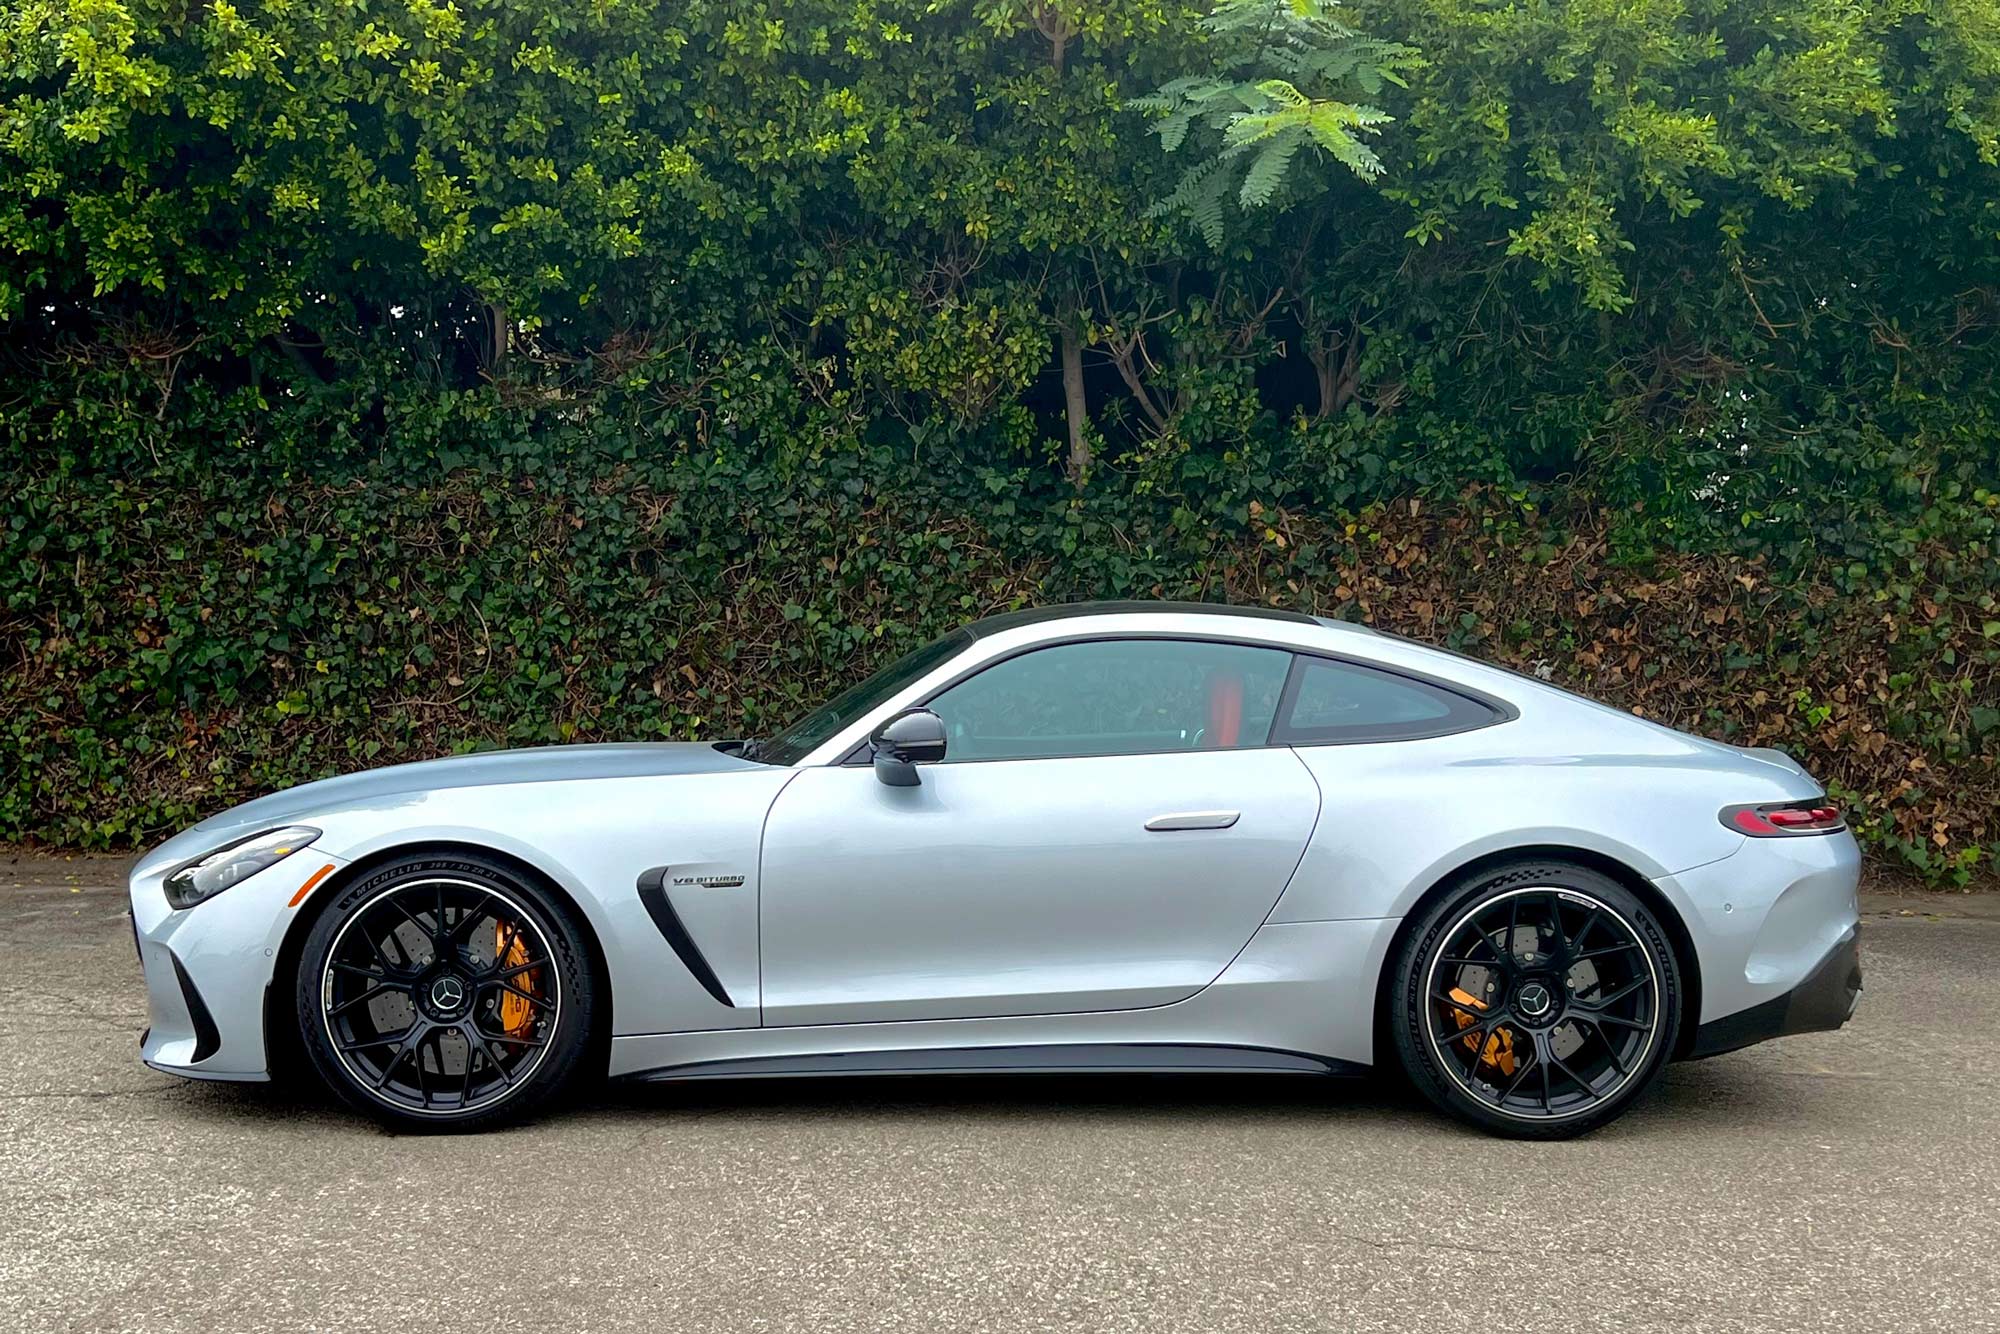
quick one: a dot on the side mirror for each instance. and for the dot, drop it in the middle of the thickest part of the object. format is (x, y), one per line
(912, 737)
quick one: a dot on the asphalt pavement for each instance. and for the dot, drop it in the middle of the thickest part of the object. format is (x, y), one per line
(1830, 1181)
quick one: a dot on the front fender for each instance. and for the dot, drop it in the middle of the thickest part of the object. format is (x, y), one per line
(593, 840)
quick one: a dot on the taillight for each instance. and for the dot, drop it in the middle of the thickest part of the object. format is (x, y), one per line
(1783, 819)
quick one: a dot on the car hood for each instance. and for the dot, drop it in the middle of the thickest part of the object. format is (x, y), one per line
(538, 764)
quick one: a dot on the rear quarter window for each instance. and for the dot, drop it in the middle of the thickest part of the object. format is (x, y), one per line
(1328, 702)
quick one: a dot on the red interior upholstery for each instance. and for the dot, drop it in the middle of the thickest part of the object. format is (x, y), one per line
(1225, 709)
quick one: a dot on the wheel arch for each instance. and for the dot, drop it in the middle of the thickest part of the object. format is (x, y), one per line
(1644, 890)
(283, 1053)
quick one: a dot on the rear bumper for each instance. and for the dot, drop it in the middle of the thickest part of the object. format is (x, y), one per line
(1822, 1002)
(1763, 919)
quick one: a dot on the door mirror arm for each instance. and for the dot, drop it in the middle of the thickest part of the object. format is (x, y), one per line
(898, 746)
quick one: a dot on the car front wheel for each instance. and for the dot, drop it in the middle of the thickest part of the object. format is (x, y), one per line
(441, 992)
(1536, 1001)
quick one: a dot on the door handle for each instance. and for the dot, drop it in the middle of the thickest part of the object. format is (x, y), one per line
(1193, 820)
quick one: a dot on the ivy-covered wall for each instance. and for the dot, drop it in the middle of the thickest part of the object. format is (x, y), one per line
(245, 612)
(382, 379)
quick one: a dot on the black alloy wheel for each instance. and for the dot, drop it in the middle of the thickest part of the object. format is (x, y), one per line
(1536, 1001)
(440, 993)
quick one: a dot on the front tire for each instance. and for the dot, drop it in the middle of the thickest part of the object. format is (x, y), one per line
(1536, 1000)
(445, 993)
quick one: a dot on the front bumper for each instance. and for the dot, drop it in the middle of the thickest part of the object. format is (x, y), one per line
(207, 967)
(1822, 1002)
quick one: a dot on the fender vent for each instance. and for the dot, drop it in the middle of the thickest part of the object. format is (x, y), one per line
(653, 893)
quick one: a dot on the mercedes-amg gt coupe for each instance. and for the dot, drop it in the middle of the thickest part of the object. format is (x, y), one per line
(1107, 837)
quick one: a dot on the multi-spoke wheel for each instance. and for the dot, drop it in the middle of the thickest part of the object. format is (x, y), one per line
(444, 991)
(1537, 1001)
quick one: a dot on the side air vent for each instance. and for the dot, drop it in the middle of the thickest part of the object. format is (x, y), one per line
(207, 1039)
(653, 893)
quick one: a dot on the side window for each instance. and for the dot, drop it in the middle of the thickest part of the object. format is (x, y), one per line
(1339, 701)
(1115, 697)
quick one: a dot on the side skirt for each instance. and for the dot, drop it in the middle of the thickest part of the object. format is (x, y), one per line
(1054, 1058)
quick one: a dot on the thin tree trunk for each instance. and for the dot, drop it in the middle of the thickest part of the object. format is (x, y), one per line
(1321, 357)
(497, 320)
(1337, 383)
(1072, 374)
(1057, 30)
(1124, 356)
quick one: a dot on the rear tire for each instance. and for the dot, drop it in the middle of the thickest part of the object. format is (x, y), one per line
(445, 993)
(1536, 1000)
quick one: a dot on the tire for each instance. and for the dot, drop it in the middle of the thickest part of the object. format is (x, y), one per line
(445, 993)
(1535, 1000)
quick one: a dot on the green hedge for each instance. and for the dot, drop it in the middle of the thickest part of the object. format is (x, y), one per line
(379, 379)
(247, 613)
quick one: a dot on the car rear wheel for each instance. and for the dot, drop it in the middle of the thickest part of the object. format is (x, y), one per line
(1536, 1001)
(440, 993)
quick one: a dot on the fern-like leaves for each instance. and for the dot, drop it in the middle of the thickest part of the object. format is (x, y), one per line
(1280, 63)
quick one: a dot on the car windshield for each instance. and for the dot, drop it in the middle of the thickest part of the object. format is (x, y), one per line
(793, 743)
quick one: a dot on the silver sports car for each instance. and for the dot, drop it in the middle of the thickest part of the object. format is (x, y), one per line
(1109, 837)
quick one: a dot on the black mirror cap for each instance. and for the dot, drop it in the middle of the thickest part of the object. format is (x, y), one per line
(894, 772)
(912, 737)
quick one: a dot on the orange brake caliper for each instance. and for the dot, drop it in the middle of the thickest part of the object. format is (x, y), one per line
(1499, 1051)
(517, 1013)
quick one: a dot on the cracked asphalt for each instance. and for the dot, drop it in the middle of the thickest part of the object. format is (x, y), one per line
(1831, 1181)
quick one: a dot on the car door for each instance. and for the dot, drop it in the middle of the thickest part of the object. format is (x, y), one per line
(1108, 828)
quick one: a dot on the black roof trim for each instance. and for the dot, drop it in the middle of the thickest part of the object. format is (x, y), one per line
(1063, 611)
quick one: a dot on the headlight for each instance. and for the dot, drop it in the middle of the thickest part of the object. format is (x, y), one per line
(222, 868)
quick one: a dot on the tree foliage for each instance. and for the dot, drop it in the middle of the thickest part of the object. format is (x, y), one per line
(1702, 285)
(1257, 116)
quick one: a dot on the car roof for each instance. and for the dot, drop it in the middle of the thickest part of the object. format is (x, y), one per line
(1062, 611)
